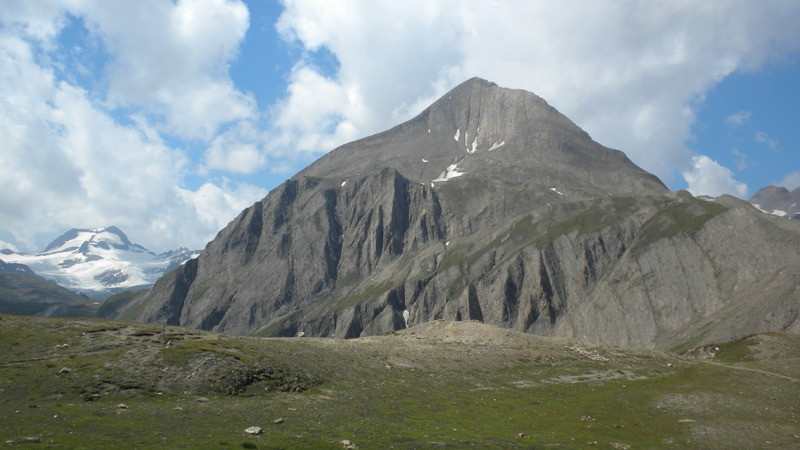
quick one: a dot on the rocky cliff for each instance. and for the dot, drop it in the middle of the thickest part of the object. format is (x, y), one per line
(489, 205)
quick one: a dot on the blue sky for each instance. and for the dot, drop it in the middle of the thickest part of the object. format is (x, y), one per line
(167, 118)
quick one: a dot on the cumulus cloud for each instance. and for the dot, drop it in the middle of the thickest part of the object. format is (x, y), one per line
(237, 150)
(318, 113)
(707, 177)
(71, 158)
(172, 58)
(791, 181)
(627, 72)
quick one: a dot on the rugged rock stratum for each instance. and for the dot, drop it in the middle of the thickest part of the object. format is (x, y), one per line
(490, 205)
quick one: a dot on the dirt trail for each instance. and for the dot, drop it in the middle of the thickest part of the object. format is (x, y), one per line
(765, 372)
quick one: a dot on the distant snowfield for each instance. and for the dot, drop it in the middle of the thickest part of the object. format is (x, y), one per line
(97, 261)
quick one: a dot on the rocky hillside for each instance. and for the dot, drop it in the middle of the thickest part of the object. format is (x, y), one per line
(490, 205)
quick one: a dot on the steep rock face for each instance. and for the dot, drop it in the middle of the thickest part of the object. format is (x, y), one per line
(291, 249)
(489, 206)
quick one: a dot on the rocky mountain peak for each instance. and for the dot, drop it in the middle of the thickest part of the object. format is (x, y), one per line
(482, 132)
(83, 239)
(778, 200)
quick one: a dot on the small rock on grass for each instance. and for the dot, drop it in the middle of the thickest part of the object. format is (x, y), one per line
(65, 370)
(122, 406)
(201, 399)
(254, 430)
(279, 420)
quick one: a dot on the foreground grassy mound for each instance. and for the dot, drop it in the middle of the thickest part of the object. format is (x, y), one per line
(84, 383)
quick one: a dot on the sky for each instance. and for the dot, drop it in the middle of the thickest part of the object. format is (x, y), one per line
(166, 118)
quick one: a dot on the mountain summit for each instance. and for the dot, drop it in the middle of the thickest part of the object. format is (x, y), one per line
(779, 201)
(491, 206)
(99, 261)
(486, 134)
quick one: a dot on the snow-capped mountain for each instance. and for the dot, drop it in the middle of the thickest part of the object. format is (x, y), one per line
(99, 261)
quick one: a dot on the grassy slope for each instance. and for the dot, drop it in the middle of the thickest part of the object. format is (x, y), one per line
(438, 384)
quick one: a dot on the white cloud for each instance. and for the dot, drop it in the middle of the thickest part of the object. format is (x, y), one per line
(67, 162)
(216, 206)
(791, 181)
(236, 150)
(707, 177)
(173, 59)
(317, 115)
(738, 119)
(41, 20)
(627, 72)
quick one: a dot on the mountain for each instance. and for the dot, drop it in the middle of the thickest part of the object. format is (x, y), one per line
(23, 292)
(14, 268)
(99, 261)
(492, 206)
(779, 201)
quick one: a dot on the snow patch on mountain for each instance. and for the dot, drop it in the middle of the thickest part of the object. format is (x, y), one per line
(774, 212)
(496, 145)
(449, 173)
